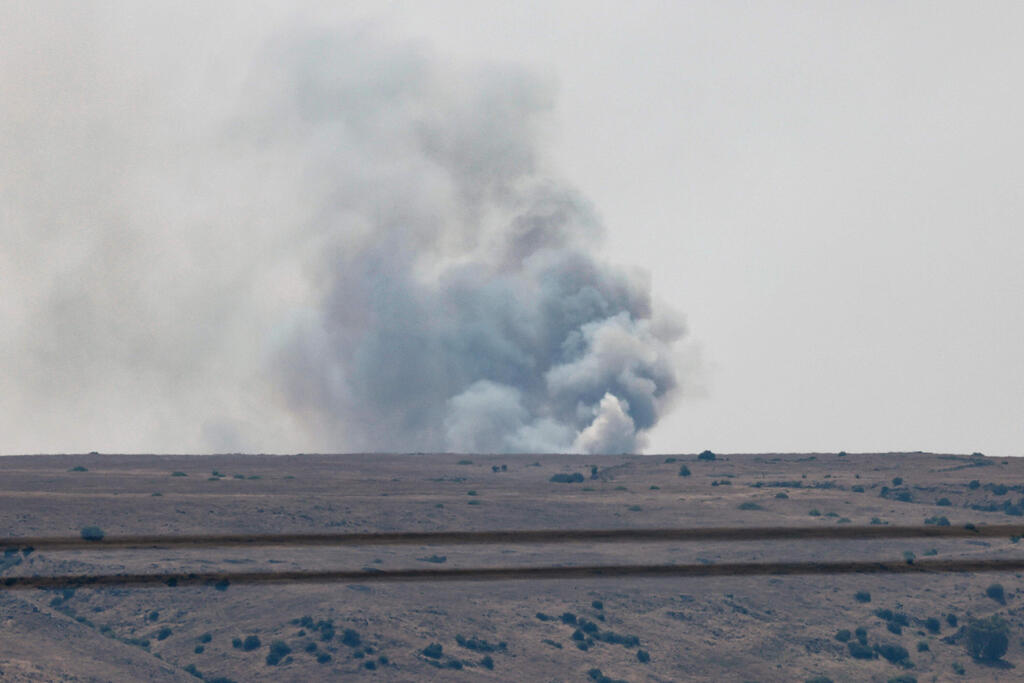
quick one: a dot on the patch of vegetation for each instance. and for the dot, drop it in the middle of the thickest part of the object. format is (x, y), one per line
(862, 596)
(897, 654)
(92, 533)
(958, 668)
(943, 502)
(815, 513)
(465, 462)
(480, 645)
(278, 651)
(433, 651)
(843, 635)
(178, 474)
(859, 650)
(684, 471)
(598, 677)
(782, 495)
(857, 488)
(251, 643)
(78, 468)
(164, 633)
(564, 478)
(706, 455)
(987, 639)
(922, 646)
(205, 638)
(749, 505)
(937, 521)
(996, 592)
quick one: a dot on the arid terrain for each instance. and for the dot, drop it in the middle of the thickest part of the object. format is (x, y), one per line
(714, 628)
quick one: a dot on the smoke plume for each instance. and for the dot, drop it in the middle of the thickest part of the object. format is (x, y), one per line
(351, 244)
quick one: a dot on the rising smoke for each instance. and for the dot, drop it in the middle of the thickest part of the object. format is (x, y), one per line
(357, 246)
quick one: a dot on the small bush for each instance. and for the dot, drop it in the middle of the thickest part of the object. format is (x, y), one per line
(897, 481)
(153, 616)
(706, 455)
(568, 618)
(958, 668)
(996, 592)
(862, 596)
(818, 679)
(893, 652)
(859, 650)
(487, 662)
(815, 513)
(351, 638)
(323, 658)
(597, 604)
(951, 620)
(433, 651)
(987, 639)
(944, 502)
(563, 478)
(894, 628)
(164, 633)
(278, 651)
(937, 521)
(782, 495)
(903, 678)
(78, 468)
(205, 638)
(857, 488)
(643, 656)
(932, 624)
(973, 484)
(684, 471)
(251, 643)
(92, 533)
(861, 633)
(843, 635)
(922, 646)
(236, 643)
(749, 505)
(199, 649)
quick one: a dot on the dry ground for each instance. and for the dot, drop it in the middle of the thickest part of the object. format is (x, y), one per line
(775, 628)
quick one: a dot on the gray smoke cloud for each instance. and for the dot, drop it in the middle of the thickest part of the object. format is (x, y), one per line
(353, 245)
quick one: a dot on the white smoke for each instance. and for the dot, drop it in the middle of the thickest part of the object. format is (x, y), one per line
(358, 246)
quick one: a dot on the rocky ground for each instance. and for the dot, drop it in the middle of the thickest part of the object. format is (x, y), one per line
(717, 628)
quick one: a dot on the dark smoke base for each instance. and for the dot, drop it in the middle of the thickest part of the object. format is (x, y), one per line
(222, 581)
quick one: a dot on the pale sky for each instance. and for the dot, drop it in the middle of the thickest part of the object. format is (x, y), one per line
(829, 193)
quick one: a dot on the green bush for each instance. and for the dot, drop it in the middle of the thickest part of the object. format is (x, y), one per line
(92, 533)
(164, 633)
(323, 658)
(958, 668)
(782, 495)
(903, 678)
(859, 650)
(922, 646)
(251, 643)
(897, 481)
(951, 620)
(987, 639)
(563, 478)
(749, 505)
(893, 652)
(944, 502)
(684, 471)
(205, 638)
(433, 651)
(996, 592)
(862, 596)
(78, 468)
(818, 679)
(973, 484)
(351, 638)
(706, 455)
(932, 624)
(843, 635)
(278, 651)
(487, 662)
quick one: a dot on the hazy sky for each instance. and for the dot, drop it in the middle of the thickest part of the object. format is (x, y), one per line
(829, 194)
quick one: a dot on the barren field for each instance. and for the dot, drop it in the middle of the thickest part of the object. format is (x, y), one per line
(713, 628)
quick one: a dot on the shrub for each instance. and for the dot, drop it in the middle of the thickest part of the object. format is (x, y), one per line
(78, 468)
(749, 505)
(597, 604)
(706, 455)
(251, 643)
(922, 646)
(92, 533)
(857, 488)
(782, 495)
(897, 481)
(843, 635)
(236, 643)
(937, 521)
(973, 484)
(164, 633)
(958, 668)
(684, 471)
(544, 617)
(323, 658)
(278, 651)
(932, 624)
(995, 591)
(951, 620)
(862, 634)
(351, 638)
(885, 614)
(199, 649)
(893, 652)
(815, 513)
(563, 478)
(859, 650)
(433, 651)
(944, 502)
(205, 638)
(153, 616)
(862, 596)
(568, 618)
(903, 678)
(643, 656)
(893, 627)
(487, 662)
(987, 639)
(818, 679)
